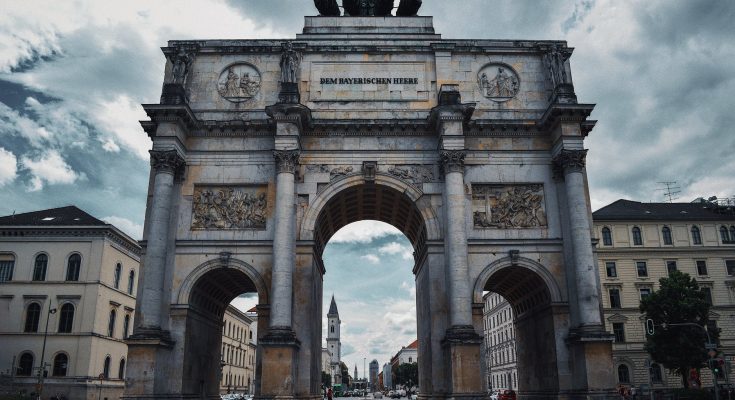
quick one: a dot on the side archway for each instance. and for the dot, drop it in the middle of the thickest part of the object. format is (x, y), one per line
(227, 267)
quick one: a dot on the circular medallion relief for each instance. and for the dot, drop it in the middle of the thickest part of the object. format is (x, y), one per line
(239, 82)
(498, 82)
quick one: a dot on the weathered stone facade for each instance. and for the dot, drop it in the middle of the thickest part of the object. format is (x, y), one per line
(370, 118)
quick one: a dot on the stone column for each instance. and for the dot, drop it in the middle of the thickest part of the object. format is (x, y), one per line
(165, 164)
(572, 163)
(284, 241)
(460, 296)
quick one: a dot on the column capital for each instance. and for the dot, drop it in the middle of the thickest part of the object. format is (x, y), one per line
(452, 160)
(570, 160)
(286, 160)
(167, 161)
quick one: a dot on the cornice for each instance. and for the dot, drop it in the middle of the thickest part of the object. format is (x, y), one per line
(179, 114)
(558, 113)
(105, 232)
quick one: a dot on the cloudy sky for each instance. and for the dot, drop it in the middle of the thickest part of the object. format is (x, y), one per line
(73, 73)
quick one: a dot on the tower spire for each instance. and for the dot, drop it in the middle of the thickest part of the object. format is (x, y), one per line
(333, 308)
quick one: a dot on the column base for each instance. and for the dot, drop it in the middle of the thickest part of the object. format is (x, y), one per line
(592, 365)
(279, 350)
(462, 345)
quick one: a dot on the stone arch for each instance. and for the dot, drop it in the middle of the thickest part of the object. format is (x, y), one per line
(542, 272)
(184, 294)
(412, 193)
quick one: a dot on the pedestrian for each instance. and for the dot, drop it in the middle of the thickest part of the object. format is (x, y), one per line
(632, 392)
(329, 394)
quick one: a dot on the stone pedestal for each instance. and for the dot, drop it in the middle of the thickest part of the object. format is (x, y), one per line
(463, 348)
(279, 351)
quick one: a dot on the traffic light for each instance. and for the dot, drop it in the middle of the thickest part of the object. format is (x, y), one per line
(649, 327)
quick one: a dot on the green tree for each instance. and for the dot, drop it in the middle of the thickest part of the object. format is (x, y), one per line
(407, 373)
(678, 348)
(326, 379)
(346, 378)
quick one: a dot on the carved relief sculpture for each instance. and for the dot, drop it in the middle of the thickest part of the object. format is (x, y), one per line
(508, 206)
(340, 172)
(555, 60)
(239, 82)
(498, 82)
(180, 65)
(413, 173)
(228, 207)
(290, 62)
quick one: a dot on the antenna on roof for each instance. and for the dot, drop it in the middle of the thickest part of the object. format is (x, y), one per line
(670, 189)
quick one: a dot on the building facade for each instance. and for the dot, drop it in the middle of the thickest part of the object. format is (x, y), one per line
(500, 343)
(374, 370)
(238, 352)
(66, 273)
(387, 376)
(639, 243)
(334, 345)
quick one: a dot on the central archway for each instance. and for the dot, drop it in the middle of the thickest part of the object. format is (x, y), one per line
(402, 205)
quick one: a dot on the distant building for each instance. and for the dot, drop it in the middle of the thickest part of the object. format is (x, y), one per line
(407, 354)
(326, 361)
(500, 345)
(380, 381)
(66, 269)
(639, 243)
(387, 376)
(238, 352)
(334, 345)
(374, 368)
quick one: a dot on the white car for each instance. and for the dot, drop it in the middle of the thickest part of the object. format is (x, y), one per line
(377, 395)
(494, 395)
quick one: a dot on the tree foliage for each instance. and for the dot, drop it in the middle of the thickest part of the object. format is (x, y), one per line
(678, 348)
(407, 373)
(326, 379)
(346, 378)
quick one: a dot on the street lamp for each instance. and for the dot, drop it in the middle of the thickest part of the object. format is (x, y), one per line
(42, 366)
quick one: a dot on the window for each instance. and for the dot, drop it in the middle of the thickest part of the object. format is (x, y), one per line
(61, 361)
(656, 375)
(730, 264)
(121, 371)
(33, 315)
(73, 266)
(611, 270)
(670, 266)
(637, 238)
(7, 262)
(106, 368)
(701, 267)
(606, 236)
(713, 329)
(615, 298)
(707, 295)
(696, 235)
(724, 234)
(66, 318)
(131, 282)
(645, 292)
(641, 268)
(111, 324)
(332, 328)
(116, 279)
(732, 233)
(619, 332)
(25, 364)
(126, 326)
(39, 268)
(666, 234)
(623, 374)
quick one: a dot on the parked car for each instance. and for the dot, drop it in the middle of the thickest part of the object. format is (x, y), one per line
(507, 394)
(494, 395)
(377, 395)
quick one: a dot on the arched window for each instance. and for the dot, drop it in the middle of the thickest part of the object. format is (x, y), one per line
(7, 263)
(66, 318)
(696, 235)
(606, 236)
(25, 364)
(61, 361)
(131, 282)
(111, 324)
(33, 315)
(121, 371)
(732, 233)
(39, 268)
(73, 266)
(106, 368)
(666, 233)
(724, 234)
(656, 375)
(126, 326)
(332, 328)
(623, 374)
(118, 273)
(637, 238)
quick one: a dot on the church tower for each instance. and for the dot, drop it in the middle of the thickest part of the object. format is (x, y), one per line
(333, 344)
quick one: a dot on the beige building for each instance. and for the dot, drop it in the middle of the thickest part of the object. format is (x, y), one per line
(238, 352)
(67, 270)
(500, 345)
(639, 243)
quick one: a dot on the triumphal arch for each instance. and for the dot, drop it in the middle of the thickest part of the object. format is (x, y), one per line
(263, 149)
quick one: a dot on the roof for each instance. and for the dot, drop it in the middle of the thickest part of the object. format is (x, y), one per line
(62, 216)
(628, 210)
(413, 345)
(333, 308)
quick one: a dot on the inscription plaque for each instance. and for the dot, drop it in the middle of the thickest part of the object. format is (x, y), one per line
(368, 81)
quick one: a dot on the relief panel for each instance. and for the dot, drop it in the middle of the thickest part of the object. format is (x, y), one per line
(229, 207)
(508, 206)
